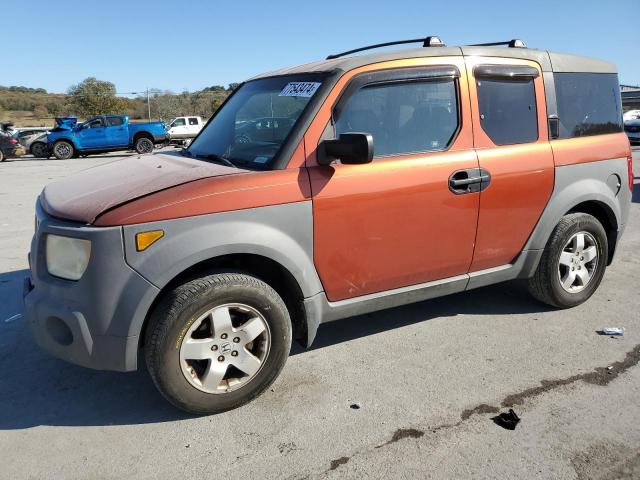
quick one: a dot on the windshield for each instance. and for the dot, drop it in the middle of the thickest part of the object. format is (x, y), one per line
(251, 127)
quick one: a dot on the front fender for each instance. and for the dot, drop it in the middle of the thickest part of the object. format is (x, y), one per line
(282, 233)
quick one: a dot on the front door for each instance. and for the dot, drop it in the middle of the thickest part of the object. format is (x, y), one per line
(397, 221)
(511, 138)
(92, 134)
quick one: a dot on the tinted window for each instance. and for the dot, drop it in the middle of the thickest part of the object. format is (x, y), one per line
(508, 112)
(114, 121)
(179, 122)
(588, 104)
(193, 121)
(96, 123)
(403, 117)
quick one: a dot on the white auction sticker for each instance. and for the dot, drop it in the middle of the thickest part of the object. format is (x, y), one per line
(299, 89)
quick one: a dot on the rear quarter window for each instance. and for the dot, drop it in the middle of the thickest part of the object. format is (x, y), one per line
(588, 104)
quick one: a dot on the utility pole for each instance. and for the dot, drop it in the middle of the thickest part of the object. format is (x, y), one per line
(148, 104)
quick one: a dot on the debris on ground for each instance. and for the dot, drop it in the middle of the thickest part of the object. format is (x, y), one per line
(507, 420)
(354, 406)
(612, 331)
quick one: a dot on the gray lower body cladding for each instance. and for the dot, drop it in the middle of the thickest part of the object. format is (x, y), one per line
(87, 322)
(106, 309)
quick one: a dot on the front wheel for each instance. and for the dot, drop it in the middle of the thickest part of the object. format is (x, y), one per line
(143, 145)
(217, 342)
(63, 150)
(573, 262)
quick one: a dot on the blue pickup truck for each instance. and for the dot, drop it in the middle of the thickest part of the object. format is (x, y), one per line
(103, 133)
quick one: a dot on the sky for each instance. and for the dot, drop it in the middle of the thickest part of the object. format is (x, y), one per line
(187, 45)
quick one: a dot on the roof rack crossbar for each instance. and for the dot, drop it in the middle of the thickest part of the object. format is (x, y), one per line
(515, 43)
(426, 42)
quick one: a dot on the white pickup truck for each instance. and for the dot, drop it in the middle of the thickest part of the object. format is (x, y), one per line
(183, 129)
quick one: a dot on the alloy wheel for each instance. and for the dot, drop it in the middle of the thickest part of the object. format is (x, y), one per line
(578, 262)
(225, 348)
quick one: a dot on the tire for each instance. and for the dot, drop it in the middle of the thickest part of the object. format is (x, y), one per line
(2, 157)
(63, 150)
(143, 145)
(564, 260)
(39, 150)
(171, 331)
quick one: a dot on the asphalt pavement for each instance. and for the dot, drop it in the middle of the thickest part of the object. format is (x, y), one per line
(409, 392)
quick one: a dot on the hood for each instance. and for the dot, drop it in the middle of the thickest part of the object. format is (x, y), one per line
(84, 196)
(66, 121)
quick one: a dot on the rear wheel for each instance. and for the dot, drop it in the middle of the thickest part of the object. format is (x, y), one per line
(63, 150)
(573, 262)
(143, 145)
(217, 342)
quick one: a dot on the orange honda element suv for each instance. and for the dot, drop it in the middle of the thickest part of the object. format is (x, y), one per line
(329, 190)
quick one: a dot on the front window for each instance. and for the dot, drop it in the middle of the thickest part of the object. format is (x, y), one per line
(253, 125)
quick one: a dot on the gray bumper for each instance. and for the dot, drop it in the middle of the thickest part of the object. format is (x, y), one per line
(88, 322)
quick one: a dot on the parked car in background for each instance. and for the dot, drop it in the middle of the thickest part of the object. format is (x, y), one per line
(631, 115)
(39, 147)
(26, 136)
(9, 147)
(104, 133)
(395, 177)
(183, 129)
(632, 129)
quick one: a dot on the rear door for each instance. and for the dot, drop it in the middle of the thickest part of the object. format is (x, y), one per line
(512, 142)
(117, 132)
(193, 126)
(396, 221)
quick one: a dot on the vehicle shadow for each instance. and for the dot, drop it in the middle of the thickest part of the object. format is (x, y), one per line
(37, 389)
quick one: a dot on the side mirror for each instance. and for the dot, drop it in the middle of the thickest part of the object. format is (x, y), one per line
(350, 148)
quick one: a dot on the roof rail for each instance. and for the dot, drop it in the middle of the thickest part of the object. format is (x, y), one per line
(515, 43)
(426, 42)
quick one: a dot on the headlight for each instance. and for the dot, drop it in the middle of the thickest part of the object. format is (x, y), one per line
(67, 257)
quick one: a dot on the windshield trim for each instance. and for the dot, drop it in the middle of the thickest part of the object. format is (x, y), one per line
(299, 128)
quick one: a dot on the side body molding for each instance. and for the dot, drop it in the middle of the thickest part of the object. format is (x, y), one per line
(282, 233)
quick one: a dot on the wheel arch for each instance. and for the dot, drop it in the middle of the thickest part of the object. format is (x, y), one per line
(66, 139)
(586, 195)
(141, 134)
(607, 218)
(273, 273)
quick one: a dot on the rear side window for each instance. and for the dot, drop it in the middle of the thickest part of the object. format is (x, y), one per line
(508, 113)
(193, 121)
(114, 121)
(403, 118)
(588, 104)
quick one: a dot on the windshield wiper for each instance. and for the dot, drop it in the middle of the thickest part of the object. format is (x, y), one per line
(216, 158)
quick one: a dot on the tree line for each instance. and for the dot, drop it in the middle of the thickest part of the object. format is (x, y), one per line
(93, 97)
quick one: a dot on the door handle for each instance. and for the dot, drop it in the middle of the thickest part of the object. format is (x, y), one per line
(470, 180)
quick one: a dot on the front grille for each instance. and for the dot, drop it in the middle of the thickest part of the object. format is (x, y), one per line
(632, 128)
